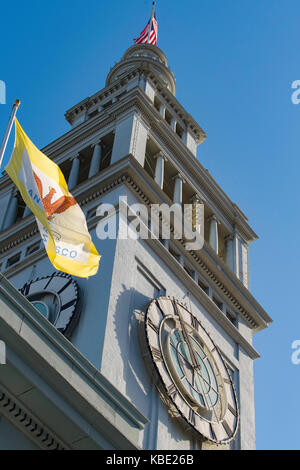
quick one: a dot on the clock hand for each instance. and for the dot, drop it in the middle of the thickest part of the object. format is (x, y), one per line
(206, 396)
(195, 361)
(197, 372)
(186, 338)
(208, 384)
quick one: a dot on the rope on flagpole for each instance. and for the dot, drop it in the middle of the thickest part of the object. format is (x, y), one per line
(8, 129)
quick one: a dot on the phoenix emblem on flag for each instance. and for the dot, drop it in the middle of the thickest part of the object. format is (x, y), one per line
(56, 207)
(61, 222)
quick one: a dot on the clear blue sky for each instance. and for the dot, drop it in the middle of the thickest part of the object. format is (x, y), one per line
(234, 62)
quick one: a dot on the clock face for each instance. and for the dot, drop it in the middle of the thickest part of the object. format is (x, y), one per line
(57, 297)
(192, 370)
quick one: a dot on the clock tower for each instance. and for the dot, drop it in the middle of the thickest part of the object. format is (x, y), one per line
(166, 327)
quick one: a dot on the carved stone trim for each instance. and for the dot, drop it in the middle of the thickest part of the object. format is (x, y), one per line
(81, 203)
(16, 242)
(203, 267)
(27, 423)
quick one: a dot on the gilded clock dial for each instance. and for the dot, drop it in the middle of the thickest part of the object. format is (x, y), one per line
(192, 370)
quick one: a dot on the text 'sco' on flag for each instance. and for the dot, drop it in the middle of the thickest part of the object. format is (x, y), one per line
(60, 220)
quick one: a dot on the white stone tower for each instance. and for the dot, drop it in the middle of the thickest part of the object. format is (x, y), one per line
(134, 139)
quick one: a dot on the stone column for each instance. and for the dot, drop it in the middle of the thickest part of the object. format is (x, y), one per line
(213, 233)
(73, 178)
(162, 110)
(96, 159)
(242, 261)
(196, 214)
(142, 81)
(159, 169)
(190, 141)
(177, 195)
(235, 252)
(173, 124)
(229, 252)
(12, 210)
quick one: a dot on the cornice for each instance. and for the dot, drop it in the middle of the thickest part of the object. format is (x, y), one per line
(129, 171)
(145, 64)
(203, 298)
(228, 285)
(92, 103)
(177, 152)
(24, 420)
(202, 181)
(186, 117)
(86, 388)
(224, 280)
(18, 233)
(186, 162)
(27, 228)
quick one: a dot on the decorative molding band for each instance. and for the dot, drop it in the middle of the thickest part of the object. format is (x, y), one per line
(28, 424)
(82, 203)
(16, 242)
(203, 268)
(232, 299)
(218, 201)
(89, 103)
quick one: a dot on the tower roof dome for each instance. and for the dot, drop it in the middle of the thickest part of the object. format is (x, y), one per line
(147, 57)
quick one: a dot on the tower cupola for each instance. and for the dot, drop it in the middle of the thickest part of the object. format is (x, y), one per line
(147, 58)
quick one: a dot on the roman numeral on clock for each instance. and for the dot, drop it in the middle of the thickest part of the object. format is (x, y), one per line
(157, 357)
(172, 391)
(68, 304)
(159, 307)
(233, 410)
(65, 286)
(152, 325)
(195, 323)
(49, 280)
(213, 434)
(227, 428)
(192, 417)
(25, 289)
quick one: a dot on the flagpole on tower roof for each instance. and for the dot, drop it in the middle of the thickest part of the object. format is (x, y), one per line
(151, 21)
(149, 33)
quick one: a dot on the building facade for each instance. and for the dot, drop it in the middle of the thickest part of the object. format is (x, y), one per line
(155, 351)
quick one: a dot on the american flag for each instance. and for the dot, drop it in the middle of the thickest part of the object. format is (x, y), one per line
(143, 37)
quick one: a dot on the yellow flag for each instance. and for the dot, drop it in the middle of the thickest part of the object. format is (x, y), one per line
(60, 220)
